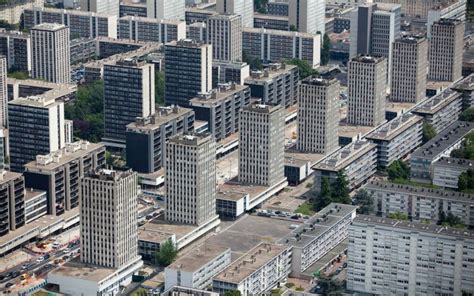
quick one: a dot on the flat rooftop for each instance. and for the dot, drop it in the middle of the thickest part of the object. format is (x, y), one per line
(344, 156)
(45, 100)
(262, 108)
(466, 83)
(352, 131)
(436, 230)
(319, 81)
(162, 116)
(395, 127)
(455, 162)
(293, 156)
(218, 95)
(75, 268)
(31, 193)
(68, 11)
(133, 3)
(437, 102)
(49, 27)
(7, 176)
(318, 224)
(250, 262)
(150, 20)
(367, 59)
(421, 191)
(191, 139)
(278, 32)
(445, 139)
(198, 257)
(282, 18)
(398, 107)
(273, 71)
(234, 190)
(160, 225)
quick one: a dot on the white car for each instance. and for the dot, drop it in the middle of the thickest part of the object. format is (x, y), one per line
(67, 251)
(40, 259)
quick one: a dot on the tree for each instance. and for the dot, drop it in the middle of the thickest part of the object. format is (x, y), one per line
(293, 28)
(167, 253)
(449, 220)
(340, 192)
(160, 88)
(428, 132)
(325, 50)
(398, 216)
(365, 201)
(398, 170)
(303, 66)
(467, 115)
(260, 6)
(232, 293)
(18, 75)
(324, 197)
(254, 64)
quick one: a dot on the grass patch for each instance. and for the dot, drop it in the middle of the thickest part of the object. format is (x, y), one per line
(300, 289)
(470, 191)
(289, 285)
(413, 183)
(305, 208)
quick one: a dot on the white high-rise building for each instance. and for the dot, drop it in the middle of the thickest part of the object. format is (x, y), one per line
(243, 8)
(3, 91)
(191, 179)
(307, 15)
(446, 49)
(367, 90)
(262, 145)
(104, 7)
(165, 9)
(109, 226)
(51, 53)
(318, 115)
(224, 32)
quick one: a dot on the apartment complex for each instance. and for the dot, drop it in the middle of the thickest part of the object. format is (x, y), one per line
(244, 8)
(307, 15)
(188, 71)
(221, 108)
(50, 48)
(422, 159)
(80, 23)
(366, 90)
(409, 69)
(277, 45)
(446, 48)
(146, 137)
(318, 235)
(261, 144)
(224, 32)
(318, 115)
(421, 204)
(197, 268)
(276, 84)
(191, 179)
(109, 205)
(144, 29)
(446, 10)
(357, 160)
(272, 22)
(446, 171)
(16, 46)
(12, 199)
(59, 173)
(257, 272)
(401, 257)
(36, 127)
(397, 138)
(165, 9)
(129, 93)
(105, 7)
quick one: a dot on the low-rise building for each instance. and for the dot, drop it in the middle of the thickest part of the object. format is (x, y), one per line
(278, 45)
(357, 160)
(36, 204)
(221, 108)
(59, 173)
(421, 204)
(81, 23)
(397, 138)
(150, 29)
(146, 137)
(197, 268)
(257, 272)
(275, 85)
(446, 171)
(393, 257)
(422, 159)
(441, 110)
(225, 72)
(318, 235)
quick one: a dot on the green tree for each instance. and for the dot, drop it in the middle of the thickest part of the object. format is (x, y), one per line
(398, 170)
(293, 28)
(260, 6)
(398, 216)
(325, 50)
(428, 132)
(324, 197)
(160, 88)
(340, 189)
(232, 293)
(303, 66)
(167, 253)
(365, 201)
(467, 115)
(330, 286)
(18, 75)
(254, 63)
(449, 220)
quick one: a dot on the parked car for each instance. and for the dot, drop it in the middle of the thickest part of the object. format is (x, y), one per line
(40, 259)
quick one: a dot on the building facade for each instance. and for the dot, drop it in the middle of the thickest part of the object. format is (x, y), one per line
(12, 199)
(307, 15)
(191, 199)
(366, 90)
(243, 8)
(165, 9)
(148, 29)
(188, 71)
(224, 32)
(16, 46)
(261, 145)
(51, 56)
(318, 115)
(129, 93)
(105, 7)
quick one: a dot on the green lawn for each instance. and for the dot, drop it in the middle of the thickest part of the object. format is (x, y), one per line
(305, 208)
